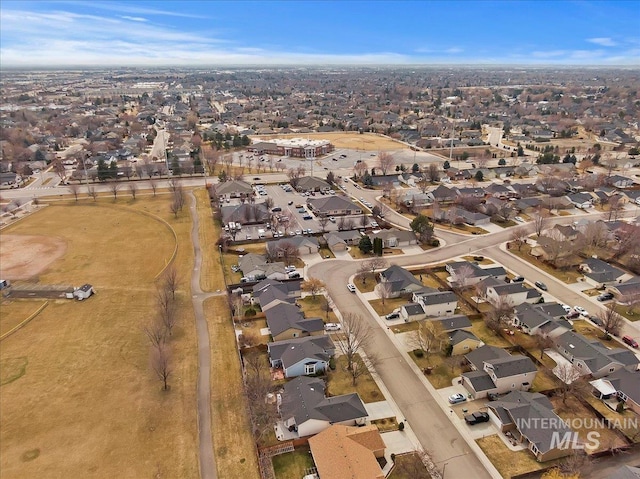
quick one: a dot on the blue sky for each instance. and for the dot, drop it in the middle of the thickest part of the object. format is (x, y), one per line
(209, 33)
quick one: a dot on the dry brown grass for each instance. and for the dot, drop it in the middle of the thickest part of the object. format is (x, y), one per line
(314, 308)
(442, 374)
(15, 311)
(352, 140)
(388, 306)
(340, 382)
(88, 404)
(210, 277)
(509, 463)
(232, 440)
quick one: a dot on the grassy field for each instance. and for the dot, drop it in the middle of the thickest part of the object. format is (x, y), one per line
(14, 311)
(235, 452)
(292, 464)
(210, 277)
(340, 382)
(507, 462)
(351, 140)
(88, 404)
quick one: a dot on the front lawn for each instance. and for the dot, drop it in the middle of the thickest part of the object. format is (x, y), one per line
(315, 308)
(566, 275)
(388, 306)
(406, 466)
(340, 382)
(365, 282)
(442, 374)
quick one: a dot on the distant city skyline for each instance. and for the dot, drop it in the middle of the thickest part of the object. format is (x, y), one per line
(349, 33)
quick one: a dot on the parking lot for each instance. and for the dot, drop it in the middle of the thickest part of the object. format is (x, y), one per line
(292, 205)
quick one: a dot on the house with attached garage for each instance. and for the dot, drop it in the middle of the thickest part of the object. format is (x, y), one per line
(534, 319)
(397, 281)
(590, 356)
(626, 291)
(599, 273)
(474, 219)
(495, 371)
(465, 273)
(304, 409)
(582, 201)
(511, 293)
(619, 181)
(268, 293)
(451, 323)
(285, 321)
(527, 418)
(437, 303)
(304, 244)
(301, 356)
(412, 312)
(394, 238)
(256, 266)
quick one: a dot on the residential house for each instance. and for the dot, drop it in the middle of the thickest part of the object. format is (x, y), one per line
(256, 266)
(268, 292)
(345, 452)
(451, 323)
(304, 408)
(474, 219)
(333, 206)
(334, 242)
(301, 356)
(466, 273)
(590, 356)
(619, 181)
(496, 372)
(304, 244)
(582, 201)
(286, 321)
(463, 341)
(397, 281)
(511, 293)
(437, 303)
(394, 238)
(442, 194)
(627, 290)
(599, 273)
(412, 312)
(623, 384)
(534, 319)
(526, 417)
(246, 213)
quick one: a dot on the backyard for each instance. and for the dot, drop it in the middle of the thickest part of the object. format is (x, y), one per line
(340, 382)
(509, 463)
(292, 464)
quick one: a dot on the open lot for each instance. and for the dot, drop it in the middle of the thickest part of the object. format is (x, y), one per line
(352, 140)
(87, 403)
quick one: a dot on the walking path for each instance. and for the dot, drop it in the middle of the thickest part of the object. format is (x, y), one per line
(205, 441)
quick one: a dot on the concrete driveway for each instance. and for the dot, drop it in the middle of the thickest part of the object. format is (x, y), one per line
(379, 410)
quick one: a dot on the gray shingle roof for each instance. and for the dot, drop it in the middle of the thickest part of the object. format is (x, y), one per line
(484, 353)
(438, 297)
(284, 316)
(511, 366)
(480, 380)
(460, 335)
(413, 309)
(292, 351)
(454, 322)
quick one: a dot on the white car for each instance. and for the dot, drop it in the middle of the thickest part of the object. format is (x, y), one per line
(566, 308)
(332, 327)
(519, 218)
(351, 287)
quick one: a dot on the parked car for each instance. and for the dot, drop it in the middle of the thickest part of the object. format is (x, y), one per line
(566, 307)
(332, 219)
(519, 219)
(581, 311)
(630, 341)
(290, 203)
(596, 320)
(518, 279)
(476, 418)
(605, 296)
(392, 316)
(457, 398)
(351, 287)
(332, 327)
(541, 285)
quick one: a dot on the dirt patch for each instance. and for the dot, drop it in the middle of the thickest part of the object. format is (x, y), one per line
(352, 140)
(26, 256)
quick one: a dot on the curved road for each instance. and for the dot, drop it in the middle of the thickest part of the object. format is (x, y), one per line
(205, 441)
(427, 419)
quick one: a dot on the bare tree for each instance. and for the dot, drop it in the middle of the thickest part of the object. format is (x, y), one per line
(540, 220)
(312, 286)
(175, 209)
(323, 221)
(500, 314)
(356, 336)
(153, 185)
(342, 222)
(385, 161)
(433, 173)
(615, 205)
(74, 188)
(326, 307)
(114, 187)
(463, 277)
(258, 386)
(287, 251)
(542, 343)
(167, 309)
(384, 291)
(58, 167)
(571, 381)
(577, 463)
(612, 322)
(161, 363)
(133, 189)
(155, 332)
(375, 263)
(519, 236)
(429, 337)
(170, 280)
(91, 192)
(359, 169)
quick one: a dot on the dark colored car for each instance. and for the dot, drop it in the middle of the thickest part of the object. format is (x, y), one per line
(518, 279)
(605, 297)
(541, 285)
(476, 418)
(596, 320)
(392, 316)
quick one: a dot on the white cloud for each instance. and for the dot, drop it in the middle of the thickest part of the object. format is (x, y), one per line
(134, 19)
(603, 41)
